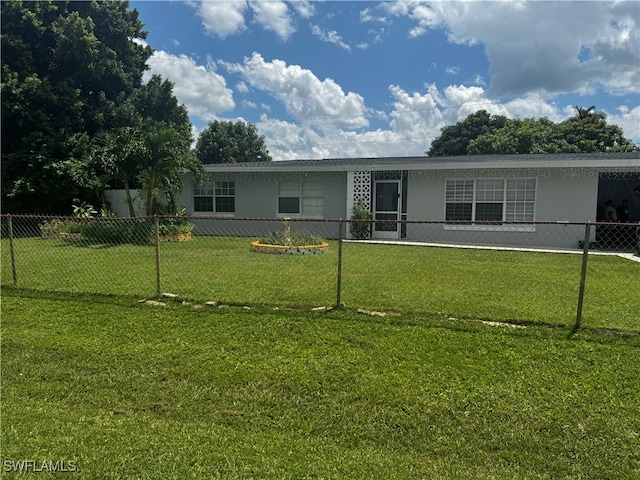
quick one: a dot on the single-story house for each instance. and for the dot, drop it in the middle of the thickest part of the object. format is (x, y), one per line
(455, 191)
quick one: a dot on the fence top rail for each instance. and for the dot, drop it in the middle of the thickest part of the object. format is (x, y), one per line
(315, 220)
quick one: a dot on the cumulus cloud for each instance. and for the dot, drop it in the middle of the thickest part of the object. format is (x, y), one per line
(628, 120)
(228, 17)
(201, 89)
(415, 120)
(552, 63)
(274, 16)
(222, 18)
(308, 99)
(304, 8)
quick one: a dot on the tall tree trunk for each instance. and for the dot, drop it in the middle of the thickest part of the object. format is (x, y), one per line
(127, 191)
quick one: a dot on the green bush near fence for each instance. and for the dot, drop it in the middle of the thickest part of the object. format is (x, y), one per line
(114, 231)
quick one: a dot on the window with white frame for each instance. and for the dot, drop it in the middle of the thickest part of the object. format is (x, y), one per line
(490, 200)
(305, 198)
(215, 197)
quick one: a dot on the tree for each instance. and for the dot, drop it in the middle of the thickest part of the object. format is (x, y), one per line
(68, 70)
(163, 155)
(520, 136)
(588, 131)
(228, 142)
(153, 106)
(480, 134)
(119, 160)
(454, 139)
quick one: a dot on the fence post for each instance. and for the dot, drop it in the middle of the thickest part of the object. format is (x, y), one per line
(583, 276)
(12, 251)
(157, 235)
(339, 283)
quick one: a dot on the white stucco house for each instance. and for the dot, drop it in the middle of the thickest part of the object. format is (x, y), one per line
(455, 191)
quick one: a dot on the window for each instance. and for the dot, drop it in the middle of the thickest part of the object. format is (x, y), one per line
(301, 198)
(521, 197)
(459, 200)
(215, 197)
(490, 200)
(225, 197)
(203, 198)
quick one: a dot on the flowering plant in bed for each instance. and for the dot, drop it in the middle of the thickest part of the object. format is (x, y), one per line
(297, 243)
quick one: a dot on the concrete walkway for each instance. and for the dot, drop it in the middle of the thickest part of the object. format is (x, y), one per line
(575, 251)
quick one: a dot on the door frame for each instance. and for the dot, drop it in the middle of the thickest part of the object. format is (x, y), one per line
(387, 234)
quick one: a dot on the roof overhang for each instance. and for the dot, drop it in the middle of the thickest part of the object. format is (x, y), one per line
(625, 161)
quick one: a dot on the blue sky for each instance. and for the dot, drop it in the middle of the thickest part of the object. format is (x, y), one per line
(368, 79)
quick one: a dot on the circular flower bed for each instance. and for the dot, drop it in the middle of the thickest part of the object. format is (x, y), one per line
(281, 244)
(289, 249)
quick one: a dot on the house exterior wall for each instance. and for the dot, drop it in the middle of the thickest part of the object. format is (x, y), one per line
(256, 197)
(566, 190)
(558, 198)
(572, 199)
(118, 202)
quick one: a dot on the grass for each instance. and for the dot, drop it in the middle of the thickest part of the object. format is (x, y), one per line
(519, 287)
(128, 390)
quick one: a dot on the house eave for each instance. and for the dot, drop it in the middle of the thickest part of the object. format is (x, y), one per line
(627, 161)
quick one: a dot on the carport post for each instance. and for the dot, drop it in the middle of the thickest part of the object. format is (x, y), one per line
(583, 276)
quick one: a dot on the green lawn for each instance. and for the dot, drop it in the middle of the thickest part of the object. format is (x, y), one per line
(127, 390)
(495, 285)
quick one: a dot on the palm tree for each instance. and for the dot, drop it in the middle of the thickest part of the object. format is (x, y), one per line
(163, 156)
(120, 147)
(587, 113)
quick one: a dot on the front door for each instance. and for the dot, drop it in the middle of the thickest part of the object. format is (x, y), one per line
(387, 207)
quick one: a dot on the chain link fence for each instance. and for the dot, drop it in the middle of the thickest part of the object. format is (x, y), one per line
(560, 273)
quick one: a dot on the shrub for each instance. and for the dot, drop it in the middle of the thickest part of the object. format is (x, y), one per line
(360, 228)
(60, 228)
(298, 239)
(173, 226)
(121, 231)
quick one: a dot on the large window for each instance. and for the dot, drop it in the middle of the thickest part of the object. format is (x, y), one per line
(305, 198)
(491, 200)
(215, 197)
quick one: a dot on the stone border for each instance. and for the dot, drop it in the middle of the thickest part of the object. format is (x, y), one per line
(289, 249)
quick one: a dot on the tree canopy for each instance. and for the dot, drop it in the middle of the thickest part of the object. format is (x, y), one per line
(229, 142)
(484, 134)
(71, 84)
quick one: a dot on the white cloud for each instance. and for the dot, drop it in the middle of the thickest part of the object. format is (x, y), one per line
(304, 8)
(562, 30)
(201, 89)
(228, 17)
(330, 36)
(222, 18)
(275, 16)
(367, 16)
(452, 70)
(241, 87)
(308, 99)
(415, 120)
(629, 121)
(478, 80)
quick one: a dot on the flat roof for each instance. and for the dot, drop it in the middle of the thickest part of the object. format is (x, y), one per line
(624, 160)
